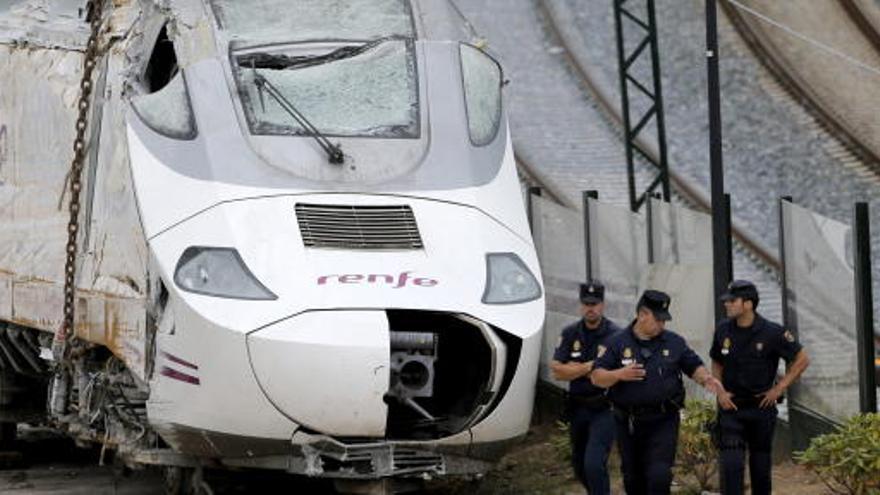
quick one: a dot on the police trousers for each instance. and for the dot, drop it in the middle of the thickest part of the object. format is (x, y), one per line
(592, 433)
(752, 429)
(647, 451)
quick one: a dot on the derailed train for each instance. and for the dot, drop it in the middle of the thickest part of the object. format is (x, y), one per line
(302, 243)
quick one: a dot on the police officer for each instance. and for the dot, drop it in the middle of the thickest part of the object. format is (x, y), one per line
(591, 424)
(642, 369)
(745, 355)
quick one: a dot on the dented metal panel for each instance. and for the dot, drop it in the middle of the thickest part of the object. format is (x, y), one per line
(40, 69)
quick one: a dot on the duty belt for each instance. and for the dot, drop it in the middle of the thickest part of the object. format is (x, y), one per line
(746, 402)
(598, 401)
(647, 409)
(632, 413)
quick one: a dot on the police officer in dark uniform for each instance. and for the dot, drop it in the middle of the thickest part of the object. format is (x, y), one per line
(745, 355)
(642, 369)
(591, 424)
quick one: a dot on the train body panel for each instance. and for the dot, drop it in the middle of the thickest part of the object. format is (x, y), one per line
(247, 299)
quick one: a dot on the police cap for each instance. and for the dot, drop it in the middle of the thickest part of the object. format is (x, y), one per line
(740, 289)
(592, 292)
(656, 301)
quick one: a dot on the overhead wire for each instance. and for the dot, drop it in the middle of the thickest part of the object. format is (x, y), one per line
(803, 37)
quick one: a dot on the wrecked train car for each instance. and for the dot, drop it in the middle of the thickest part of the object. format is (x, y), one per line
(300, 243)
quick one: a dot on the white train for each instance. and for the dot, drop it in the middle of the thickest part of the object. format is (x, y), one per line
(302, 243)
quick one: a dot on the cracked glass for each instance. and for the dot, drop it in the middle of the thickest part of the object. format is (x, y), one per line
(369, 91)
(482, 94)
(279, 21)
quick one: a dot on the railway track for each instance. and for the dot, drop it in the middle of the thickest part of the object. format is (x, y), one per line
(531, 176)
(845, 144)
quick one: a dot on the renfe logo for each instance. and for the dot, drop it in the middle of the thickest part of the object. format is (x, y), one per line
(395, 282)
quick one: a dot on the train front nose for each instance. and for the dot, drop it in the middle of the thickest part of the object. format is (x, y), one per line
(326, 370)
(394, 374)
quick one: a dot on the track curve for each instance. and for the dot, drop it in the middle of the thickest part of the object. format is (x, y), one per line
(822, 108)
(690, 191)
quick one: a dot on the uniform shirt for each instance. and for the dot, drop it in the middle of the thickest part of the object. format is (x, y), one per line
(579, 344)
(664, 358)
(750, 356)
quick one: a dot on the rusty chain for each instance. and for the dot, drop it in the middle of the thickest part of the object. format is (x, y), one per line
(90, 60)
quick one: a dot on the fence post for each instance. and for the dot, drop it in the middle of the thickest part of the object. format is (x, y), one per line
(788, 320)
(864, 308)
(532, 191)
(588, 254)
(649, 224)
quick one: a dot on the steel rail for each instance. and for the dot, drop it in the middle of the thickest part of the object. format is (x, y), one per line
(798, 89)
(533, 176)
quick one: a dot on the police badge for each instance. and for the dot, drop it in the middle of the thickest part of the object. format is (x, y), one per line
(627, 357)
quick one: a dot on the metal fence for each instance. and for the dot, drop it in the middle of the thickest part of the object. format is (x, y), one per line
(669, 247)
(819, 278)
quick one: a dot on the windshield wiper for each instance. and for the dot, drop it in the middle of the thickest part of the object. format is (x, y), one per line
(277, 61)
(334, 151)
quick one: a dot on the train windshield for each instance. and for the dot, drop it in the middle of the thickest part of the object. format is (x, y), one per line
(256, 22)
(343, 89)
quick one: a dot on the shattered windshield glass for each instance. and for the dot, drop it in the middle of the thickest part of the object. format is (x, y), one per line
(366, 89)
(272, 21)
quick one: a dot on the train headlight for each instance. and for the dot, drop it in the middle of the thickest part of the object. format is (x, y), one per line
(508, 280)
(218, 272)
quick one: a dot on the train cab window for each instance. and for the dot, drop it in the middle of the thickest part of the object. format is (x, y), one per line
(352, 89)
(482, 79)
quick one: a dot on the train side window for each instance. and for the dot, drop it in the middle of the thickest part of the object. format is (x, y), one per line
(165, 104)
(162, 66)
(482, 80)
(168, 111)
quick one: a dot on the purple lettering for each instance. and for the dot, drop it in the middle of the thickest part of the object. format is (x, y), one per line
(396, 282)
(350, 279)
(388, 278)
(401, 279)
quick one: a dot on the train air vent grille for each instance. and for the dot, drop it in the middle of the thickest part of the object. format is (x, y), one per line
(358, 227)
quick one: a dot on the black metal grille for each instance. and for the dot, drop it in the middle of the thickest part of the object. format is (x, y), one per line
(358, 227)
(406, 460)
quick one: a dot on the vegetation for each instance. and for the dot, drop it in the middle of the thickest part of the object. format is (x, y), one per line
(696, 455)
(848, 460)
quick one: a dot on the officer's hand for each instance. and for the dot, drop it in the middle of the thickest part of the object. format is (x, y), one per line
(725, 400)
(631, 373)
(713, 385)
(769, 397)
(588, 368)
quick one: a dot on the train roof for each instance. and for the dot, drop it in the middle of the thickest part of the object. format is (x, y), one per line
(60, 23)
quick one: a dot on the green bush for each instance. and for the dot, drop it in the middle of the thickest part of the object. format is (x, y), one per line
(848, 460)
(696, 454)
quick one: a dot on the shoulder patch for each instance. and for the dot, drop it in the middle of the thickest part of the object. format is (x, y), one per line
(788, 336)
